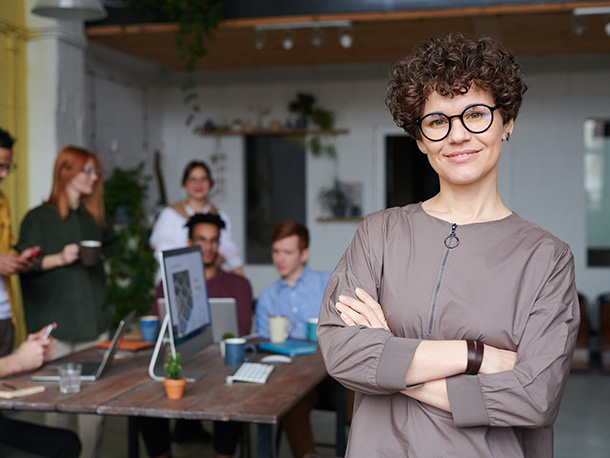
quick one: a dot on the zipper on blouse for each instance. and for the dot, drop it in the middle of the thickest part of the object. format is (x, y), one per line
(450, 242)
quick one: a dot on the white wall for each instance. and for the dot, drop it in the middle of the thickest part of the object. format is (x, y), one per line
(541, 175)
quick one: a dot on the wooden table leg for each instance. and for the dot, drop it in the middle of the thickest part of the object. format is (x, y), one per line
(265, 433)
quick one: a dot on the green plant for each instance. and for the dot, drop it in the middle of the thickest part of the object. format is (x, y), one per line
(196, 20)
(227, 335)
(303, 104)
(173, 367)
(131, 267)
(334, 199)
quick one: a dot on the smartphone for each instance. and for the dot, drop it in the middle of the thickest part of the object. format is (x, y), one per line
(47, 332)
(38, 253)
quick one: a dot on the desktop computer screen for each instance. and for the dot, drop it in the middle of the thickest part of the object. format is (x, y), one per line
(185, 291)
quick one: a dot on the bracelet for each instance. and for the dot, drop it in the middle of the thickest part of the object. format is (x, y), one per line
(475, 356)
(471, 355)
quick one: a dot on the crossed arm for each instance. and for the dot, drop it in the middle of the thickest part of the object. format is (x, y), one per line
(433, 361)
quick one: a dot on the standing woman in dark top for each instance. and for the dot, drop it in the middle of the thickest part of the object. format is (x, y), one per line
(60, 288)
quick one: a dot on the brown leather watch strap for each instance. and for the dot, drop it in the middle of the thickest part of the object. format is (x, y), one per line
(475, 358)
(471, 355)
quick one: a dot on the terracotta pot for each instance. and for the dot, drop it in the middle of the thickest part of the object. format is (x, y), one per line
(174, 388)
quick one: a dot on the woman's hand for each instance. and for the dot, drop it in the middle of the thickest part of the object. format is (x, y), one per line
(497, 360)
(70, 253)
(365, 311)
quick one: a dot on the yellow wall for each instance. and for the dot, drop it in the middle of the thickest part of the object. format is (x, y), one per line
(13, 110)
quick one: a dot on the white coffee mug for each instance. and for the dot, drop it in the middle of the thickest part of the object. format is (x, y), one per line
(279, 328)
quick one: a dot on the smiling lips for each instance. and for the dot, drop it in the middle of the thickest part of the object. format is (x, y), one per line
(461, 156)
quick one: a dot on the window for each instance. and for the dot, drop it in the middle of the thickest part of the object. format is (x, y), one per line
(275, 190)
(597, 190)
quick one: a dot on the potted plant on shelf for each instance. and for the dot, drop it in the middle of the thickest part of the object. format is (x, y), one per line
(334, 199)
(174, 382)
(303, 106)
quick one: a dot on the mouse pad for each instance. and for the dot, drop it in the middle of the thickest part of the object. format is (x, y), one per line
(289, 347)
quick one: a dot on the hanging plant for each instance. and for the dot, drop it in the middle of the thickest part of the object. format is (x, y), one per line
(196, 20)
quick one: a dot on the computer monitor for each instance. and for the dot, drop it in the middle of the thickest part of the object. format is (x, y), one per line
(187, 321)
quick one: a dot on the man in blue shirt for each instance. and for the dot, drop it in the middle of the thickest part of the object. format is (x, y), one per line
(298, 292)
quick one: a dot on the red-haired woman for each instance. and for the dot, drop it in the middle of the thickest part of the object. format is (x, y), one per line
(60, 288)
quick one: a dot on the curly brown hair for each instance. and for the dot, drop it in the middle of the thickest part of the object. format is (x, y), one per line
(450, 65)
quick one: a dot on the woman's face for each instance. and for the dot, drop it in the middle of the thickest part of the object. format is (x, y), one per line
(197, 184)
(84, 181)
(464, 158)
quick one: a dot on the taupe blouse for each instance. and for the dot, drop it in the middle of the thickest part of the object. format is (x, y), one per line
(508, 283)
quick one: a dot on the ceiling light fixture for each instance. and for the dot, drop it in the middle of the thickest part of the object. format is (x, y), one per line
(259, 40)
(579, 26)
(346, 37)
(76, 10)
(317, 37)
(288, 41)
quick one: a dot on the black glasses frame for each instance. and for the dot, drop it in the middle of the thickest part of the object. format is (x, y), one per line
(461, 118)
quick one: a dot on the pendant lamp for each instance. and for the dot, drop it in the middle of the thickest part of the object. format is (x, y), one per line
(79, 10)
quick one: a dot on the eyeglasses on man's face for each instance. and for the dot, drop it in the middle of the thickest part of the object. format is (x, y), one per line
(8, 167)
(476, 119)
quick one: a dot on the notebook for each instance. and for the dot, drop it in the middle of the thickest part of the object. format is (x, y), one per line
(91, 370)
(224, 317)
(289, 347)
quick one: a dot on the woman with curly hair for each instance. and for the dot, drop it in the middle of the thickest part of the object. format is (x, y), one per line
(455, 319)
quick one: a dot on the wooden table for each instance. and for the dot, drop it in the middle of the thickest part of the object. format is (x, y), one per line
(125, 389)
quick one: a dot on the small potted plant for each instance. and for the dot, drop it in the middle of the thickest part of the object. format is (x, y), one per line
(174, 382)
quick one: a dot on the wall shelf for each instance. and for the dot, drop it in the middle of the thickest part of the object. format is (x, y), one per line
(279, 133)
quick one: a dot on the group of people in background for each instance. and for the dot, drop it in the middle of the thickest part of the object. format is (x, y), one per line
(57, 288)
(454, 320)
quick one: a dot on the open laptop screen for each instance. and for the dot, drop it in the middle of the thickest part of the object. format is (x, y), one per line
(185, 292)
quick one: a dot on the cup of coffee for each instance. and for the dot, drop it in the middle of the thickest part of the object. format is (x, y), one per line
(235, 351)
(149, 325)
(69, 377)
(311, 328)
(90, 252)
(279, 328)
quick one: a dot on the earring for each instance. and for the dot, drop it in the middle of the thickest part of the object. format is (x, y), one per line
(507, 137)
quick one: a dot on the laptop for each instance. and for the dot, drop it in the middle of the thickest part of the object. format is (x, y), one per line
(91, 370)
(224, 317)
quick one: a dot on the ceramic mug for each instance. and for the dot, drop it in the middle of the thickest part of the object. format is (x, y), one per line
(235, 351)
(311, 328)
(90, 252)
(149, 325)
(279, 328)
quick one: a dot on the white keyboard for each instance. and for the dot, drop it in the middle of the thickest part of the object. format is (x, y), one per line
(251, 372)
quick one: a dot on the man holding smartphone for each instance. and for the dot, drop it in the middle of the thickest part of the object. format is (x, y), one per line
(10, 261)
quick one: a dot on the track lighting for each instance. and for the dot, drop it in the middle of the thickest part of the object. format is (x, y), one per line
(288, 42)
(580, 26)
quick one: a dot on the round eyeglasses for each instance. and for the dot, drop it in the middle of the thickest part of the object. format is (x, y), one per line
(476, 119)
